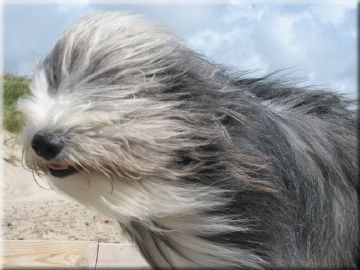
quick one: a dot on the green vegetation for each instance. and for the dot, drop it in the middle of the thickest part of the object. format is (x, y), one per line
(13, 87)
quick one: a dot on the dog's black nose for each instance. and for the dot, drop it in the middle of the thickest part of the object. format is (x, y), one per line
(46, 145)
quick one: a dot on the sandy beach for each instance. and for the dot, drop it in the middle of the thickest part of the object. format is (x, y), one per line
(34, 212)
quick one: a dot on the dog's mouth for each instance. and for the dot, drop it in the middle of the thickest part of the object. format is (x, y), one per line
(61, 170)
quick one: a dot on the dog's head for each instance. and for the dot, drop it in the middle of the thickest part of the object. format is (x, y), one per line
(101, 108)
(88, 108)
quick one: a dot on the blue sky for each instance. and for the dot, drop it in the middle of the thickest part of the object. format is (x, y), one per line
(316, 42)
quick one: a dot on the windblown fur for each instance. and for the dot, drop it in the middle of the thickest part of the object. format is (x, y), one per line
(203, 167)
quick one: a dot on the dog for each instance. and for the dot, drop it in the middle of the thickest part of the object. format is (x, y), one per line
(202, 166)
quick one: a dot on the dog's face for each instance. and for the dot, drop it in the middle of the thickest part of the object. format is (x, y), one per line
(86, 111)
(97, 125)
(96, 129)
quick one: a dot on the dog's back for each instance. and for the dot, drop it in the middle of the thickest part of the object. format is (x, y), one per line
(308, 138)
(298, 150)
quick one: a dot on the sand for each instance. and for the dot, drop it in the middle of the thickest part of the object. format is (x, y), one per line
(35, 213)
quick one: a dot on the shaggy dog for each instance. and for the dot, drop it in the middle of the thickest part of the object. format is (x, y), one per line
(203, 167)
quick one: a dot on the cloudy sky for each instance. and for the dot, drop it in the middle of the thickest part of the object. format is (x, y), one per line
(316, 43)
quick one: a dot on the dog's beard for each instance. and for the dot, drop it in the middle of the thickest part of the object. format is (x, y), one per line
(137, 200)
(92, 190)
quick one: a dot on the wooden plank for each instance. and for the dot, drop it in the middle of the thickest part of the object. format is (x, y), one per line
(49, 254)
(118, 256)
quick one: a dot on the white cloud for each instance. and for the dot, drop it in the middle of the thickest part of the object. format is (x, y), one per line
(233, 48)
(236, 12)
(334, 14)
(66, 3)
(318, 41)
(70, 9)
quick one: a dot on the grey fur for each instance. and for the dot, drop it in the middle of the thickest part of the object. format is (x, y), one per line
(205, 168)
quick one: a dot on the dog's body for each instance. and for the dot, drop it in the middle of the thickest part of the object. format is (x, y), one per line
(203, 168)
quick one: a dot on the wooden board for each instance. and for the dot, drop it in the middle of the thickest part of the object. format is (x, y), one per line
(70, 255)
(49, 254)
(117, 256)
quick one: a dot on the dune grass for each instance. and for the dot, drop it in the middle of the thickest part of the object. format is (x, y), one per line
(13, 87)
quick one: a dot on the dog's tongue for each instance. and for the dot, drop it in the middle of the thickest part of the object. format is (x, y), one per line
(58, 166)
